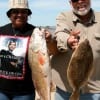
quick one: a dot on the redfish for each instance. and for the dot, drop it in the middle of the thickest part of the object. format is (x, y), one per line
(39, 62)
(80, 68)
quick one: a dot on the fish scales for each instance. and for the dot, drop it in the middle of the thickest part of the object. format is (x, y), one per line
(40, 64)
(80, 68)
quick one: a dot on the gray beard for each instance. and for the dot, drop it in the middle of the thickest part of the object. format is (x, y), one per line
(81, 13)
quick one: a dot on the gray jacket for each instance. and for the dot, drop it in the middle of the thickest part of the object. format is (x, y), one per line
(90, 30)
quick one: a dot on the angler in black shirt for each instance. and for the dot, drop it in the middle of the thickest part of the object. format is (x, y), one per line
(15, 74)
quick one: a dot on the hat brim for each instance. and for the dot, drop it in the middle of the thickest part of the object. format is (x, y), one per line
(9, 12)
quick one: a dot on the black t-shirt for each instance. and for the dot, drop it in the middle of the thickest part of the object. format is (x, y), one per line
(15, 74)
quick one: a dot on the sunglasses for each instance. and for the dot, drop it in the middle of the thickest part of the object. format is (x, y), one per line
(74, 1)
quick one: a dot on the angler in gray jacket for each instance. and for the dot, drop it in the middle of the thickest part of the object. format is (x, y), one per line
(71, 27)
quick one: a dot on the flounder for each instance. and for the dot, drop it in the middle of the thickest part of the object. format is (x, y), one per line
(80, 68)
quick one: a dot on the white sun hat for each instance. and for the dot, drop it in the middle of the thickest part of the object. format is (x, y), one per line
(18, 4)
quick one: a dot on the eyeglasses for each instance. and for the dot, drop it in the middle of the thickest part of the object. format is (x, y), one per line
(17, 11)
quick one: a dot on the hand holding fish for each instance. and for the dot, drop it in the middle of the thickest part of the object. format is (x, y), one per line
(73, 39)
(48, 36)
(51, 43)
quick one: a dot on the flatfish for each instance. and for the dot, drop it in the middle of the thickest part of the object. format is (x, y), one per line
(39, 62)
(80, 68)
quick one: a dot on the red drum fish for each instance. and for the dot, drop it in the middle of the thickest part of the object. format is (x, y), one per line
(40, 63)
(80, 68)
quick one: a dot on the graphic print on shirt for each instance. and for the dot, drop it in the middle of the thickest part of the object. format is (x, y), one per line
(12, 57)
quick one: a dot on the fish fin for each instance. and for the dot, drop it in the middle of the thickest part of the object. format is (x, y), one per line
(75, 95)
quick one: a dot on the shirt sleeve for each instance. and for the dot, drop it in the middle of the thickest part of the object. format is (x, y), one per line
(62, 33)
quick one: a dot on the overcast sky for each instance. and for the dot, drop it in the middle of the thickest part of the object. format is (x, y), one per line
(44, 12)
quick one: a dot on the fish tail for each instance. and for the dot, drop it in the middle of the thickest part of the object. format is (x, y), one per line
(75, 95)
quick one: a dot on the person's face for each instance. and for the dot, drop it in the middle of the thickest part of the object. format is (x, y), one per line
(12, 46)
(19, 17)
(80, 7)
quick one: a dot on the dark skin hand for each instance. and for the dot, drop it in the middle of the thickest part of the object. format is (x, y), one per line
(51, 43)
